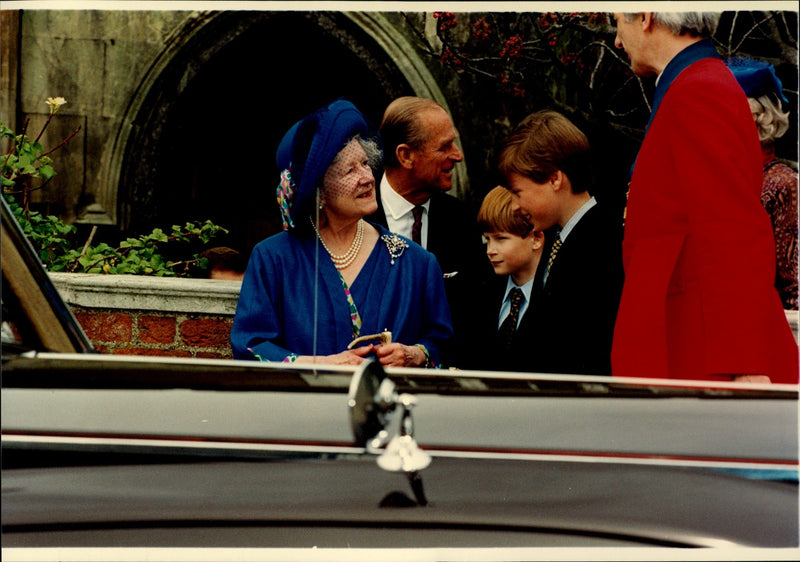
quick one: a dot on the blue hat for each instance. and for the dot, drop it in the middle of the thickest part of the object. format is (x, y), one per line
(757, 78)
(308, 148)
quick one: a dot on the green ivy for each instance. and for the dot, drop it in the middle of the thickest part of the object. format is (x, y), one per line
(55, 243)
(26, 167)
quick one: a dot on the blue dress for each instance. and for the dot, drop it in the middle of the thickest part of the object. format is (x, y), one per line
(278, 310)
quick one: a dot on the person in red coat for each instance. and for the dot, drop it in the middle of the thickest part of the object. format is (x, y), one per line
(698, 300)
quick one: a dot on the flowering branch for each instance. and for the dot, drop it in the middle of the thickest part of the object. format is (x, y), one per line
(27, 159)
(63, 142)
(561, 58)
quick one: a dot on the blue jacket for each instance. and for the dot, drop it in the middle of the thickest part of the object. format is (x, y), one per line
(278, 312)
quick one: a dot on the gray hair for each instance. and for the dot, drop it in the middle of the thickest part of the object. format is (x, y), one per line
(374, 152)
(698, 24)
(372, 148)
(770, 119)
(402, 124)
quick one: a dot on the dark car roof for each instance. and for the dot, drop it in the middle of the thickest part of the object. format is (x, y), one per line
(101, 450)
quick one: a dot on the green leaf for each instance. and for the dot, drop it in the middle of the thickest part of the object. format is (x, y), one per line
(46, 172)
(24, 160)
(159, 235)
(131, 243)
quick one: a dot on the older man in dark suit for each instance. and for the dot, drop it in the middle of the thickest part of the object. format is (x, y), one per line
(420, 154)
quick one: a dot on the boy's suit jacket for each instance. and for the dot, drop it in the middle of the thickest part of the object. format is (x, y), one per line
(482, 350)
(577, 307)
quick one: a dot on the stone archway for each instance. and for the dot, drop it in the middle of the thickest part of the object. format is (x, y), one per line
(199, 138)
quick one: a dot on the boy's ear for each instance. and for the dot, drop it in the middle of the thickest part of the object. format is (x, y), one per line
(537, 240)
(557, 180)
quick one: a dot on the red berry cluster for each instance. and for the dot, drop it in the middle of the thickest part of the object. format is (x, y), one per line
(450, 58)
(447, 20)
(597, 18)
(502, 77)
(546, 20)
(572, 58)
(512, 48)
(481, 30)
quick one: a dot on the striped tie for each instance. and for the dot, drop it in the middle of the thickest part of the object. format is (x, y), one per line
(416, 229)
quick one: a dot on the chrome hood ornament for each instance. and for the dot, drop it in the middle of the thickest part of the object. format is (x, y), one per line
(382, 423)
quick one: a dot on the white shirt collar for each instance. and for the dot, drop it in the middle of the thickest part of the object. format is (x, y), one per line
(575, 218)
(395, 205)
(527, 288)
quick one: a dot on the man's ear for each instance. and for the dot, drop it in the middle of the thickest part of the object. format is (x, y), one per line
(646, 21)
(405, 156)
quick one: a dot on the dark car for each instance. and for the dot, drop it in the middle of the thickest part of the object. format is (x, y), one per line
(125, 451)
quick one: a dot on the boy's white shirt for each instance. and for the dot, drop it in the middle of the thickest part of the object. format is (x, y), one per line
(564, 232)
(527, 289)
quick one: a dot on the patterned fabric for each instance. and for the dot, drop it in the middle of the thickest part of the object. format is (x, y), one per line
(509, 326)
(553, 251)
(355, 318)
(285, 194)
(779, 197)
(416, 228)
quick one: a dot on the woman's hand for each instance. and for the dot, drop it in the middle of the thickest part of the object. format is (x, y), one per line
(399, 355)
(349, 357)
(761, 379)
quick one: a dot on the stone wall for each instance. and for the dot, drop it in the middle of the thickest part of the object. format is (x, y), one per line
(134, 315)
(97, 60)
(131, 77)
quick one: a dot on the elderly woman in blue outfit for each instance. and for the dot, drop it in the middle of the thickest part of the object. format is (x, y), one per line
(331, 280)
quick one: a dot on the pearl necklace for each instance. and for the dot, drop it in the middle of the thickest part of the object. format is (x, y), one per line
(345, 260)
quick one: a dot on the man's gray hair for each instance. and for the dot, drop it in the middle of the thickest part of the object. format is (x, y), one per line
(698, 24)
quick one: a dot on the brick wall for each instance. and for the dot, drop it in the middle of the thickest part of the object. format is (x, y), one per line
(133, 332)
(133, 315)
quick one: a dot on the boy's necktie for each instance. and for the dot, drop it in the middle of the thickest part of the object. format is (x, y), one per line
(553, 251)
(509, 326)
